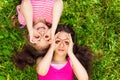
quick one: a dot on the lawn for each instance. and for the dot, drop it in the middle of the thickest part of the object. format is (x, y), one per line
(96, 23)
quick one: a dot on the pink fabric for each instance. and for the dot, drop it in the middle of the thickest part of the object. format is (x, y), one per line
(65, 73)
(58, 66)
(41, 9)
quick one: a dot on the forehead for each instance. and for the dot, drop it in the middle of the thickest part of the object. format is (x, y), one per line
(62, 35)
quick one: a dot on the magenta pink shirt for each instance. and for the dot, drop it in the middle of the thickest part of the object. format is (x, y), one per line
(41, 9)
(65, 73)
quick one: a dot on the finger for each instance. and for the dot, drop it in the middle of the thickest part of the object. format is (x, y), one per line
(35, 39)
(30, 38)
(32, 41)
(70, 39)
(56, 35)
(36, 35)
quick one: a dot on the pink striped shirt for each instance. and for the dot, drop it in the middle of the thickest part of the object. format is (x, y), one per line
(41, 9)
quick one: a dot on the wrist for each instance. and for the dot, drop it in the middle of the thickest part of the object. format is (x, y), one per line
(70, 53)
(31, 31)
(54, 27)
(30, 28)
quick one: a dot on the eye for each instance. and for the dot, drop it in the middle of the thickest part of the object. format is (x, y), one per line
(66, 42)
(46, 36)
(57, 41)
(36, 36)
(38, 28)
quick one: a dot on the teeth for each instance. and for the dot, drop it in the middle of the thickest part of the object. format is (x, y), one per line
(42, 28)
(42, 31)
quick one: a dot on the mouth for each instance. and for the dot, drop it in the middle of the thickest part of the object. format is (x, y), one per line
(43, 28)
(61, 50)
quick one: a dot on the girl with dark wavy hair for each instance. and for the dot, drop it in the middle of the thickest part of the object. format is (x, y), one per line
(36, 15)
(61, 61)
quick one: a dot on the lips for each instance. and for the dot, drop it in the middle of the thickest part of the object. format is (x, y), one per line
(61, 50)
(41, 28)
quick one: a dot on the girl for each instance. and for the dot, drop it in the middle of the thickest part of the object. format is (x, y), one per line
(63, 57)
(60, 62)
(36, 10)
(38, 15)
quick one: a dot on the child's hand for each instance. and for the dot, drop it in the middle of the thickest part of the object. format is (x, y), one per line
(70, 47)
(54, 41)
(31, 36)
(52, 33)
(34, 36)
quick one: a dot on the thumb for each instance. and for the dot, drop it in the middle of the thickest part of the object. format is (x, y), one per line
(32, 40)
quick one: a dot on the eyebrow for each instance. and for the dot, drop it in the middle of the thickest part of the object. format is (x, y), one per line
(63, 39)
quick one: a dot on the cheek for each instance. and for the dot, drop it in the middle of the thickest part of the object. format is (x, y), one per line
(56, 46)
(43, 43)
(66, 48)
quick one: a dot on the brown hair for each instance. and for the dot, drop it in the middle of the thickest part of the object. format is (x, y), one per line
(14, 21)
(28, 55)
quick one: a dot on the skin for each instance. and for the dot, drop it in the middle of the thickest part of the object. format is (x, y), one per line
(41, 30)
(27, 11)
(38, 36)
(59, 49)
(42, 37)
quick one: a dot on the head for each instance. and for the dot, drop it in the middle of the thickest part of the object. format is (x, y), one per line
(62, 43)
(37, 48)
(43, 39)
(62, 39)
(41, 27)
(67, 29)
(83, 53)
(28, 55)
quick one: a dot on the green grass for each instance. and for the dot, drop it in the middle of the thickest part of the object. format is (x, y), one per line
(96, 23)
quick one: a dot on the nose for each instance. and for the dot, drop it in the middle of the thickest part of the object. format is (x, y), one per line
(61, 45)
(42, 33)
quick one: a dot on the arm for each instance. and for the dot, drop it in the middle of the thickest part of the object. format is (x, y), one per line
(57, 11)
(43, 64)
(27, 11)
(78, 69)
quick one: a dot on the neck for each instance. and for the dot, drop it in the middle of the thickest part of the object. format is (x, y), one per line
(59, 59)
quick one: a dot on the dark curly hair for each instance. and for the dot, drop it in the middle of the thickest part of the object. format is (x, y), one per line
(28, 55)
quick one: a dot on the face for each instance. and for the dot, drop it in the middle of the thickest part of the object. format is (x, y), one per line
(62, 43)
(41, 28)
(41, 45)
(43, 40)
